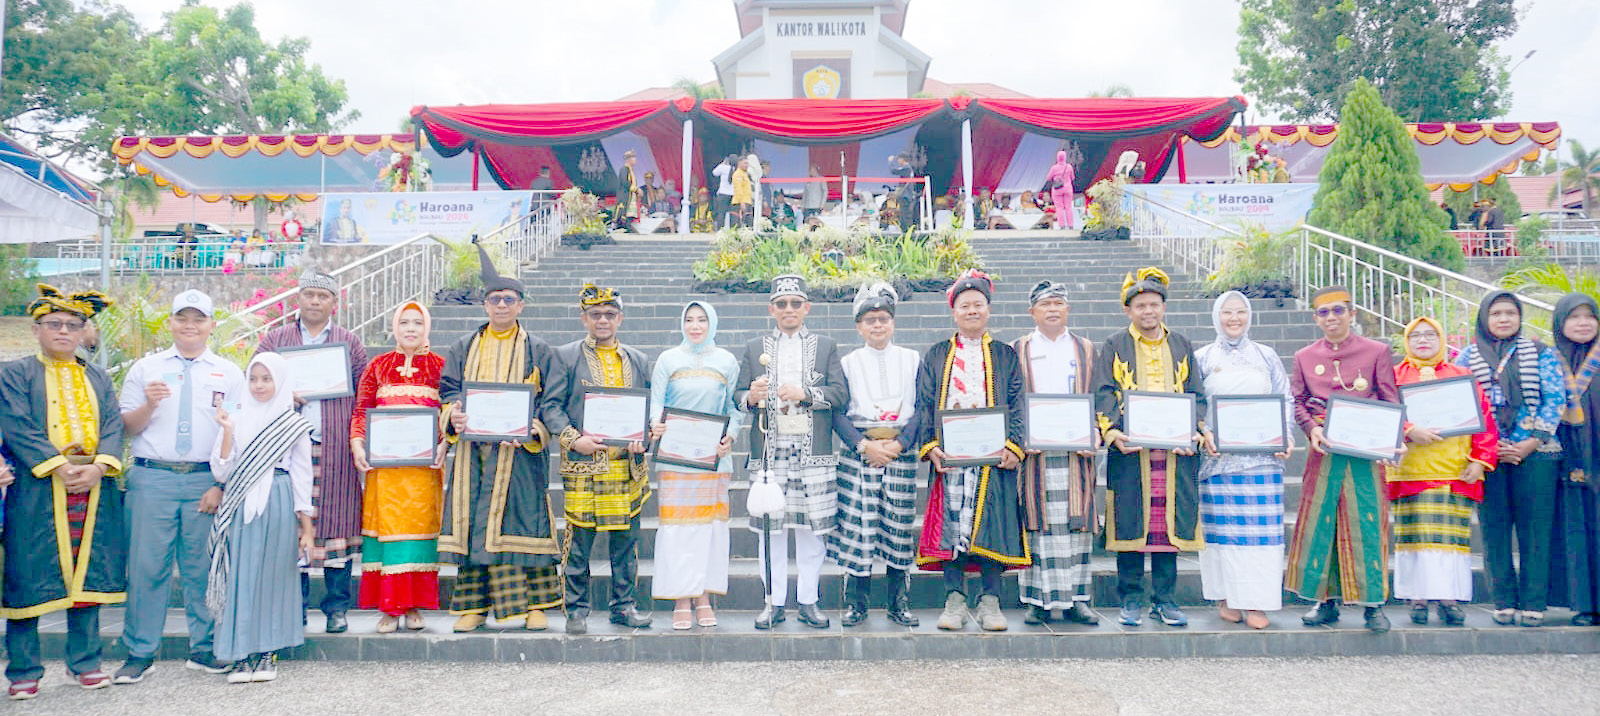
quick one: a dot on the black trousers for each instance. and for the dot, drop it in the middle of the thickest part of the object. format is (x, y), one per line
(720, 206)
(955, 575)
(1520, 500)
(83, 645)
(1130, 576)
(624, 548)
(337, 596)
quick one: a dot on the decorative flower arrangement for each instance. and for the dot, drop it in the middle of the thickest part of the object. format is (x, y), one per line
(1260, 166)
(407, 172)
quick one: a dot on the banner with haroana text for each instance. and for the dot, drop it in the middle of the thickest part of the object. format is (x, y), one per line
(1275, 207)
(392, 217)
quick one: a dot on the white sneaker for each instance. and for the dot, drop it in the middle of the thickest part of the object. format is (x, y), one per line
(242, 671)
(266, 668)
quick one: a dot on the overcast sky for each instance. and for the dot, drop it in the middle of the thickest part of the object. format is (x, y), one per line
(399, 53)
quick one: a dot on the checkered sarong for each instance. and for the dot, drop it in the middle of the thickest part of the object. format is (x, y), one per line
(877, 510)
(505, 590)
(1060, 572)
(1434, 519)
(1243, 509)
(334, 552)
(809, 490)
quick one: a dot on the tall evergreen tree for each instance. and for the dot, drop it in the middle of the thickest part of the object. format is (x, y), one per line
(1372, 187)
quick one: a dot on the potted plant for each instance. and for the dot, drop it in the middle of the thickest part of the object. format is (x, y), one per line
(1107, 219)
(1256, 265)
(585, 225)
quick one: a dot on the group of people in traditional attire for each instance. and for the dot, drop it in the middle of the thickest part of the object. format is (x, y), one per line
(243, 484)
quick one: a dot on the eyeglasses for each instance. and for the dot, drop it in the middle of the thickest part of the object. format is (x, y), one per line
(1430, 335)
(68, 326)
(500, 300)
(1326, 311)
(603, 315)
(795, 304)
(875, 320)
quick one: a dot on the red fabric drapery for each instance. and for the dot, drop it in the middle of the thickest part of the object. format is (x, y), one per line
(807, 121)
(1200, 117)
(455, 128)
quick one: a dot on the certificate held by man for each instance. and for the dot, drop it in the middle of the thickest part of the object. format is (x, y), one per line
(498, 412)
(1059, 422)
(691, 439)
(320, 372)
(972, 437)
(617, 417)
(1159, 421)
(1448, 406)
(1362, 428)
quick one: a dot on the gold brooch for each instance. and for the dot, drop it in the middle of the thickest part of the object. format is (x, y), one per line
(1360, 385)
(1320, 369)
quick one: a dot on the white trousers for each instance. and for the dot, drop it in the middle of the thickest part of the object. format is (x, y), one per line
(808, 554)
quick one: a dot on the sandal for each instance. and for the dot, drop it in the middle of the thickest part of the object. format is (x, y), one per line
(1236, 617)
(704, 616)
(683, 619)
(1257, 620)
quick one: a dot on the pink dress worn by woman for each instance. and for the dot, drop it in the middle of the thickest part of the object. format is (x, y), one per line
(1062, 194)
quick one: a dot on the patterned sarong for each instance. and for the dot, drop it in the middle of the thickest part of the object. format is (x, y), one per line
(1340, 548)
(1434, 519)
(809, 491)
(876, 515)
(692, 498)
(1156, 526)
(605, 499)
(1060, 572)
(1243, 510)
(337, 551)
(505, 590)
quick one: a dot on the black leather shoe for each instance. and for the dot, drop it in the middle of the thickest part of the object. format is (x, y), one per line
(1452, 614)
(1080, 613)
(578, 621)
(900, 615)
(337, 623)
(854, 613)
(1419, 612)
(770, 617)
(813, 617)
(1036, 615)
(630, 618)
(1377, 621)
(1585, 619)
(1324, 613)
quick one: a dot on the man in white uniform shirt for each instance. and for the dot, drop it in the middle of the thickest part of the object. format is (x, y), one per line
(1057, 489)
(169, 407)
(877, 481)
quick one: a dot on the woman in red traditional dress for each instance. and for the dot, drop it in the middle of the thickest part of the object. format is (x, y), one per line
(400, 514)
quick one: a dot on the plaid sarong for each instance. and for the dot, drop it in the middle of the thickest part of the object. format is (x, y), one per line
(1156, 539)
(1434, 519)
(876, 514)
(809, 491)
(1244, 509)
(1060, 572)
(505, 590)
(337, 551)
(605, 499)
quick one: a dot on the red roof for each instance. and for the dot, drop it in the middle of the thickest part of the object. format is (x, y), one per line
(945, 90)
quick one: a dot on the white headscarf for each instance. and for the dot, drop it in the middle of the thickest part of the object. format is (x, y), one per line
(1223, 341)
(255, 416)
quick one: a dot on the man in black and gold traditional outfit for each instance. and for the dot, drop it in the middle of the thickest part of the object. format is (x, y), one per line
(1152, 496)
(66, 544)
(604, 488)
(497, 524)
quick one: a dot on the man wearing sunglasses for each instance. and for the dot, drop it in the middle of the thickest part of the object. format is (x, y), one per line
(1340, 548)
(604, 485)
(792, 378)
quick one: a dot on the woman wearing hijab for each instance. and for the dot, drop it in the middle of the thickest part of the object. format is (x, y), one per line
(692, 541)
(263, 458)
(1434, 490)
(1060, 181)
(1528, 393)
(1241, 494)
(400, 509)
(1575, 582)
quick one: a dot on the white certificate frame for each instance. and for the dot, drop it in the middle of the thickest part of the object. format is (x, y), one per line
(671, 415)
(1045, 443)
(1458, 389)
(1227, 444)
(607, 434)
(468, 390)
(1178, 401)
(951, 459)
(317, 354)
(377, 416)
(1359, 410)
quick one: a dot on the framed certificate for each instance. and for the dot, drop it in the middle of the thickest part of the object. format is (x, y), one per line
(1367, 429)
(402, 437)
(691, 439)
(1249, 424)
(1158, 421)
(973, 436)
(319, 372)
(1448, 406)
(1058, 422)
(616, 416)
(498, 412)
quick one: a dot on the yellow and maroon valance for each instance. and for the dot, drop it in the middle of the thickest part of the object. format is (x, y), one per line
(276, 167)
(1430, 133)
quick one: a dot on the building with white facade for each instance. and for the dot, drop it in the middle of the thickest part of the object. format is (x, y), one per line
(821, 49)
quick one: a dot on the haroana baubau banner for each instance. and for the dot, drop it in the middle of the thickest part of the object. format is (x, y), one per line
(1275, 207)
(389, 218)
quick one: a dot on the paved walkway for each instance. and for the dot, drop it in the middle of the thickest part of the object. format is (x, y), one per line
(1415, 686)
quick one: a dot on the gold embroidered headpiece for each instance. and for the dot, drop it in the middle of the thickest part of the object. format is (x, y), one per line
(592, 295)
(82, 303)
(1329, 294)
(1149, 279)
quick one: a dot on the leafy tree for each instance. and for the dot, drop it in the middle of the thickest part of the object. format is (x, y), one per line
(1113, 90)
(709, 90)
(1431, 60)
(1371, 185)
(1583, 171)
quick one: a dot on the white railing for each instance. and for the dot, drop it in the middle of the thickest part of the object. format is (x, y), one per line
(1389, 288)
(166, 255)
(412, 270)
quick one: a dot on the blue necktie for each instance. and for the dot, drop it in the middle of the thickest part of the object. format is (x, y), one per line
(186, 410)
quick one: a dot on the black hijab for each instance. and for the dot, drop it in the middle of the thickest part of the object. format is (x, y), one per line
(1580, 444)
(1493, 350)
